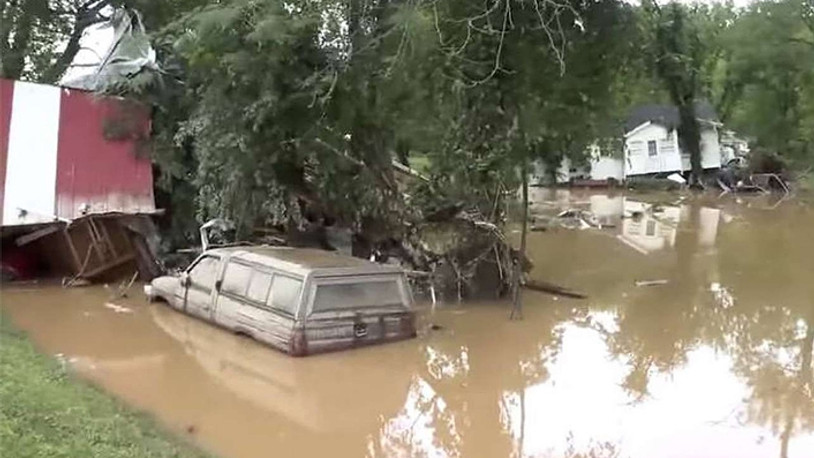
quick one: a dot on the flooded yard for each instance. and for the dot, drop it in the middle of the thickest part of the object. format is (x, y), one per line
(713, 361)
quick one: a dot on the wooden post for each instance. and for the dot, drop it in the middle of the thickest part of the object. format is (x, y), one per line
(69, 242)
(517, 265)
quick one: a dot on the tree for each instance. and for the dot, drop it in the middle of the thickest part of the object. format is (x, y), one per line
(39, 39)
(520, 97)
(770, 50)
(318, 98)
(678, 53)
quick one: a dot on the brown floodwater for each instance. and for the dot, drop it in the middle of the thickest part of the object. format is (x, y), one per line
(716, 362)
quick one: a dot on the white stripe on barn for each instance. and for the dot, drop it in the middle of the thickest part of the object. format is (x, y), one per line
(31, 167)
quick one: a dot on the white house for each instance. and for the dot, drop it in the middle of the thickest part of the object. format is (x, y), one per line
(652, 146)
(599, 167)
(604, 167)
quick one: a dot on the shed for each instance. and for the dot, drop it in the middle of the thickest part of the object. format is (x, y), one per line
(75, 171)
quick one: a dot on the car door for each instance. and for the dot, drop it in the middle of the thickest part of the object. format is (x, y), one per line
(255, 301)
(254, 317)
(231, 294)
(198, 295)
(280, 310)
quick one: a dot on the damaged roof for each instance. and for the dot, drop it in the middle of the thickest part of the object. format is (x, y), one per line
(667, 115)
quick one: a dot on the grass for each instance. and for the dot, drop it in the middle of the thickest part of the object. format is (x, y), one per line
(47, 412)
(420, 163)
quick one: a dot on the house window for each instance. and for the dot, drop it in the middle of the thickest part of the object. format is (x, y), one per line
(652, 149)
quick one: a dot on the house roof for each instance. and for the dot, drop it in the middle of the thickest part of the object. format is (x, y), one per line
(667, 115)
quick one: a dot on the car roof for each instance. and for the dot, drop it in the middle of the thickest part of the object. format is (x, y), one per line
(303, 261)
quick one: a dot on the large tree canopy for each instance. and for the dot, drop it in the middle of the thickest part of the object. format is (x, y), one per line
(264, 109)
(770, 68)
(268, 106)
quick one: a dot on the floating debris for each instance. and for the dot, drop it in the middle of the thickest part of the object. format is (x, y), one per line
(651, 282)
(550, 288)
(722, 296)
(65, 361)
(75, 282)
(118, 308)
(677, 178)
(578, 219)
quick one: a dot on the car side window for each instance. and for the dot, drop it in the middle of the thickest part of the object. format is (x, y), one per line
(285, 294)
(259, 287)
(203, 273)
(236, 278)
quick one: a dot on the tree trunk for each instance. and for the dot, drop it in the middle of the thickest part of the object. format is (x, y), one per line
(689, 135)
(55, 72)
(525, 211)
(403, 152)
(517, 265)
(86, 16)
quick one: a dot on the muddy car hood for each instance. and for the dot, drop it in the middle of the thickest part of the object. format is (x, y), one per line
(167, 284)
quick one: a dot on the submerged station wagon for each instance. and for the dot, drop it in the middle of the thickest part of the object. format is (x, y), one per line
(300, 301)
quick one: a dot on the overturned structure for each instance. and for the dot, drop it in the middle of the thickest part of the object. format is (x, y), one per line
(76, 184)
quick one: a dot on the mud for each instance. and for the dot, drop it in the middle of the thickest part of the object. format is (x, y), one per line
(715, 362)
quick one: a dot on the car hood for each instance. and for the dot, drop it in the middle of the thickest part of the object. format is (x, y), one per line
(165, 284)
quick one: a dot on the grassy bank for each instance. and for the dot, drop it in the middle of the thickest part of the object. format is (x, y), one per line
(45, 411)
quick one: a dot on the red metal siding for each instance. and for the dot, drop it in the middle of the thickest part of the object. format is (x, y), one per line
(6, 96)
(97, 161)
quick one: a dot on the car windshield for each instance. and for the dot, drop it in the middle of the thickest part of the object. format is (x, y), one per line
(361, 294)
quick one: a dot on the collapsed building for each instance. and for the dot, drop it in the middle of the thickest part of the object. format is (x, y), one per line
(76, 184)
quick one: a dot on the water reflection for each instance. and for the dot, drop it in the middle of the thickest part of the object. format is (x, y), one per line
(647, 227)
(292, 387)
(716, 362)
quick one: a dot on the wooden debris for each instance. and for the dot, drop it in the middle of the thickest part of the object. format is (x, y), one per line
(550, 288)
(651, 282)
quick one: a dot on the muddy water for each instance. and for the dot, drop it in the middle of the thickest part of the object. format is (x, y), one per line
(717, 362)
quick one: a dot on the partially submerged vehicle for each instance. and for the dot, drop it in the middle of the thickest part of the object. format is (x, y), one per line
(301, 301)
